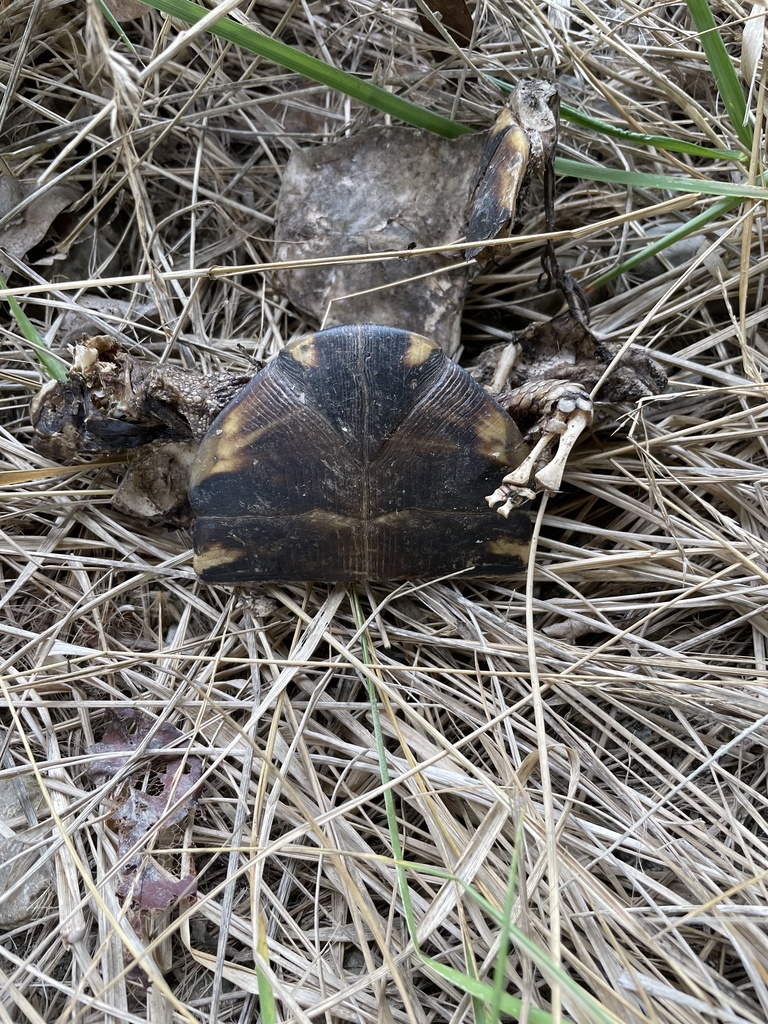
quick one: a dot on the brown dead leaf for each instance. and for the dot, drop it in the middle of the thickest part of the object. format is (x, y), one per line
(27, 220)
(155, 796)
(126, 10)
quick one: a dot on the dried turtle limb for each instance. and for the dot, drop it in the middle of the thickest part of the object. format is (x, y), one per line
(520, 145)
(562, 409)
(155, 487)
(113, 401)
(564, 348)
(549, 371)
(555, 273)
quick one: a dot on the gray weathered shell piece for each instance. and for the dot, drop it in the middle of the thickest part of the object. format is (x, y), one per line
(384, 189)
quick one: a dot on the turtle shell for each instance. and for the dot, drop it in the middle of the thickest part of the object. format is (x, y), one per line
(358, 453)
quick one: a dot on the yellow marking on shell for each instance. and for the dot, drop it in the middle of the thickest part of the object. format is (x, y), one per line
(230, 446)
(517, 141)
(417, 350)
(508, 547)
(215, 556)
(304, 351)
(498, 438)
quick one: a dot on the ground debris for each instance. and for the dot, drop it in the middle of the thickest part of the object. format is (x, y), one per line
(154, 796)
(565, 348)
(28, 215)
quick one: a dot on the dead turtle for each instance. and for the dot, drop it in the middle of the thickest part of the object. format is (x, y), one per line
(361, 452)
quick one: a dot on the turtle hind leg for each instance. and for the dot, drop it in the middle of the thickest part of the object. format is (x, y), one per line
(561, 409)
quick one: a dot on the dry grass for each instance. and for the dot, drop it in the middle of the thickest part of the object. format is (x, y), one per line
(606, 718)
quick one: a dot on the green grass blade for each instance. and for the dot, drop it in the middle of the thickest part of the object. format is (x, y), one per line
(53, 366)
(117, 27)
(597, 172)
(662, 142)
(728, 83)
(267, 1004)
(317, 70)
(542, 959)
(479, 1013)
(389, 802)
(690, 227)
(483, 992)
(504, 936)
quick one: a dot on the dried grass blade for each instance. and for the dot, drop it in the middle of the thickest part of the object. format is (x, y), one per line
(318, 71)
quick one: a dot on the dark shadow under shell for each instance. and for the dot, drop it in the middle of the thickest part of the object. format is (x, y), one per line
(358, 453)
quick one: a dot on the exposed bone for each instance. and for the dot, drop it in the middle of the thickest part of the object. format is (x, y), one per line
(512, 496)
(564, 409)
(507, 360)
(514, 490)
(550, 477)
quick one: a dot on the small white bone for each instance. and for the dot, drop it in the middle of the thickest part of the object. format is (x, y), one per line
(514, 496)
(550, 477)
(504, 368)
(514, 488)
(520, 476)
(569, 413)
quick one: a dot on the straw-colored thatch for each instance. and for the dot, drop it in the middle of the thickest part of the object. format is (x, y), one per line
(601, 724)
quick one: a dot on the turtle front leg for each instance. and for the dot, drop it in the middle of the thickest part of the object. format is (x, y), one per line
(562, 409)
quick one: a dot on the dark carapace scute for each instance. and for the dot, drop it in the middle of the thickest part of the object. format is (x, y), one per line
(358, 453)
